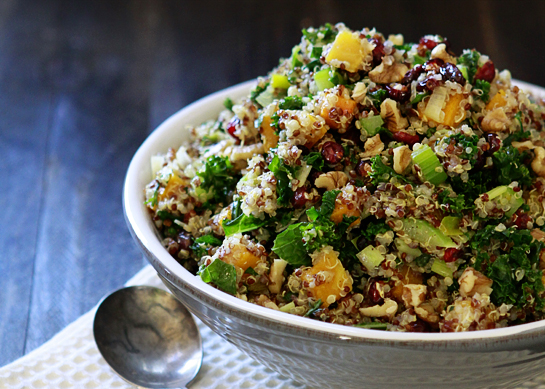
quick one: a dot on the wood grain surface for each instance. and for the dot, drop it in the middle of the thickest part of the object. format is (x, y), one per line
(82, 83)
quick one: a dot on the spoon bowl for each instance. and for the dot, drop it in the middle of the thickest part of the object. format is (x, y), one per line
(148, 337)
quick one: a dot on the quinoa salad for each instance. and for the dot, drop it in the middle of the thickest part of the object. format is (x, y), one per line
(369, 182)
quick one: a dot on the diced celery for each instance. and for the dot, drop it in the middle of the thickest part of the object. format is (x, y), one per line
(507, 193)
(157, 162)
(287, 307)
(370, 257)
(425, 234)
(429, 165)
(280, 81)
(372, 124)
(266, 97)
(322, 79)
(440, 267)
(450, 225)
(403, 247)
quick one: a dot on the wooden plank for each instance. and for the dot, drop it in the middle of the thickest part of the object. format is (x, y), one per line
(25, 107)
(100, 117)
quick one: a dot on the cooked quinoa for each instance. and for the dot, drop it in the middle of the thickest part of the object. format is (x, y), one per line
(367, 182)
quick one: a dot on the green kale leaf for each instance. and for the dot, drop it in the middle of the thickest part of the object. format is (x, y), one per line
(291, 102)
(221, 274)
(228, 103)
(282, 172)
(218, 175)
(470, 59)
(289, 246)
(485, 87)
(201, 245)
(509, 166)
(321, 36)
(382, 172)
(314, 159)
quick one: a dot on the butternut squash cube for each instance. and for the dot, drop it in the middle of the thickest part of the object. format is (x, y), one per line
(342, 209)
(268, 136)
(452, 109)
(318, 132)
(240, 256)
(341, 116)
(346, 49)
(175, 186)
(497, 101)
(327, 279)
(406, 276)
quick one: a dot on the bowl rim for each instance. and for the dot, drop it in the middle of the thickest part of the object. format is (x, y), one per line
(143, 231)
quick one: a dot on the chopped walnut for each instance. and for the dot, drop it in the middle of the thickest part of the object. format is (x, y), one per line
(523, 146)
(402, 158)
(440, 51)
(388, 309)
(331, 180)
(472, 281)
(388, 71)
(414, 294)
(392, 116)
(538, 163)
(495, 121)
(426, 312)
(243, 152)
(373, 146)
(537, 234)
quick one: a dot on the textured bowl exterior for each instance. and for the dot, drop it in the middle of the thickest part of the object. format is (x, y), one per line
(324, 355)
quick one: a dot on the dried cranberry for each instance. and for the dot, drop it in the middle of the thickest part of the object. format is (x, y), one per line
(184, 240)
(378, 52)
(299, 198)
(452, 255)
(428, 84)
(451, 73)
(521, 220)
(361, 168)
(433, 64)
(304, 150)
(428, 43)
(418, 326)
(487, 72)
(494, 142)
(374, 294)
(332, 152)
(412, 75)
(402, 94)
(405, 137)
(362, 242)
(232, 126)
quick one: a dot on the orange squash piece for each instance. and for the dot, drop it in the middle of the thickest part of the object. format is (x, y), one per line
(406, 276)
(327, 277)
(174, 186)
(240, 256)
(268, 136)
(451, 109)
(497, 101)
(342, 209)
(343, 107)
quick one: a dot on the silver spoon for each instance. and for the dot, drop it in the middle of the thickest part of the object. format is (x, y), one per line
(148, 337)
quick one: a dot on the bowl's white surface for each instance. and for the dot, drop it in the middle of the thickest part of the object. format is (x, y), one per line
(431, 357)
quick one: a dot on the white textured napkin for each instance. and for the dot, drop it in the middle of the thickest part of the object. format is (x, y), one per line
(71, 360)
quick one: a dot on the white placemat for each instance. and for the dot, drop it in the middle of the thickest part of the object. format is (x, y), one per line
(71, 360)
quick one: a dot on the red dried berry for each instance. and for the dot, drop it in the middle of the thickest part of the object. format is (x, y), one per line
(374, 294)
(452, 255)
(398, 92)
(299, 198)
(434, 64)
(405, 137)
(360, 168)
(451, 73)
(494, 142)
(378, 51)
(232, 127)
(332, 152)
(487, 72)
(521, 220)
(412, 75)
(427, 43)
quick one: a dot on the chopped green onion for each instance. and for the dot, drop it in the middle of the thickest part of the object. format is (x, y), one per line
(507, 193)
(434, 108)
(429, 165)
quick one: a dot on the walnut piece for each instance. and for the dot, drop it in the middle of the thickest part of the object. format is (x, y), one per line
(414, 294)
(388, 71)
(538, 163)
(440, 51)
(495, 121)
(426, 312)
(373, 146)
(392, 116)
(402, 158)
(331, 180)
(389, 309)
(472, 281)
(523, 146)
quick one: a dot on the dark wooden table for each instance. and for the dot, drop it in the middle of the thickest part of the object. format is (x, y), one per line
(82, 83)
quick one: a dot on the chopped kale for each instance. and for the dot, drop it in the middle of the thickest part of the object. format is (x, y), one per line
(470, 59)
(242, 223)
(228, 103)
(221, 274)
(321, 36)
(291, 102)
(509, 166)
(485, 87)
(219, 176)
(374, 228)
(201, 245)
(454, 205)
(153, 199)
(423, 260)
(313, 308)
(257, 91)
(282, 172)
(519, 135)
(468, 144)
(382, 172)
(378, 96)
(315, 160)
(478, 182)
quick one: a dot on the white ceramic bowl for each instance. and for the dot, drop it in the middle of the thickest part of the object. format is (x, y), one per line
(324, 355)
